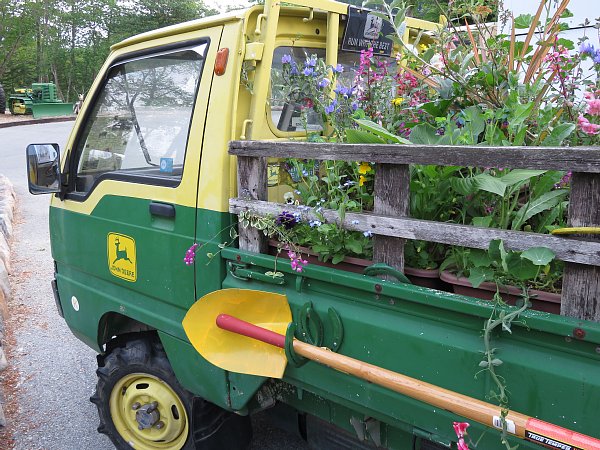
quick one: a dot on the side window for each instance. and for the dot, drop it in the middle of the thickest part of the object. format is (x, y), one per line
(289, 111)
(140, 121)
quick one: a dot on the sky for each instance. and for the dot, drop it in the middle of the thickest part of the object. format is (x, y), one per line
(222, 5)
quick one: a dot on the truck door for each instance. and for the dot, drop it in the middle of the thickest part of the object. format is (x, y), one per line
(120, 235)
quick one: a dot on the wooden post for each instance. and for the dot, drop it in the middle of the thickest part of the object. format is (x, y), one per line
(581, 283)
(252, 184)
(392, 198)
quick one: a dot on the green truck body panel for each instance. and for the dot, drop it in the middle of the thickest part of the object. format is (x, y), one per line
(429, 335)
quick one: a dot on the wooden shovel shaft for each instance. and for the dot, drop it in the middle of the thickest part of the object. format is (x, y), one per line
(520, 425)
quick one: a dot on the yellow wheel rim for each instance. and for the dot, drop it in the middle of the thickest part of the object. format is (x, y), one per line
(167, 430)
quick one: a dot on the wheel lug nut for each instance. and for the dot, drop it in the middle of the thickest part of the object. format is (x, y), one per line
(135, 406)
(160, 425)
(152, 406)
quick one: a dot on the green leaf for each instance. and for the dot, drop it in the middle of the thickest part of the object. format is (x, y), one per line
(540, 256)
(478, 275)
(518, 175)
(523, 21)
(437, 109)
(566, 43)
(496, 362)
(482, 221)
(488, 183)
(520, 268)
(464, 186)
(377, 129)
(537, 205)
(354, 246)
(503, 256)
(520, 113)
(337, 259)
(362, 137)
(558, 134)
(480, 258)
(424, 134)
(494, 249)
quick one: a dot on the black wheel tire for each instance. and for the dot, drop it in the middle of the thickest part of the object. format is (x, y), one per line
(128, 365)
(2, 100)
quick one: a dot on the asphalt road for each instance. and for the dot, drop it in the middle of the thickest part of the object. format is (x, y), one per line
(56, 372)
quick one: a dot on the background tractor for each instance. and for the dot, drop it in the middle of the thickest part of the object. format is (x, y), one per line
(40, 100)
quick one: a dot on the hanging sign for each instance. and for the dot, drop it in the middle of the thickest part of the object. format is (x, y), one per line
(365, 30)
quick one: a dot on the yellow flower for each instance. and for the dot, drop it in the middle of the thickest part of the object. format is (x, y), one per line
(364, 168)
(362, 180)
(397, 101)
(423, 47)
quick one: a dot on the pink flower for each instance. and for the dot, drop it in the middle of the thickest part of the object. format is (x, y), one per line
(593, 107)
(587, 127)
(460, 428)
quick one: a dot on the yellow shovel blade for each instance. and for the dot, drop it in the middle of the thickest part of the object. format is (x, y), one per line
(231, 351)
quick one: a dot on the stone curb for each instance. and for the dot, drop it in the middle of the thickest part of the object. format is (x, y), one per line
(7, 205)
(17, 123)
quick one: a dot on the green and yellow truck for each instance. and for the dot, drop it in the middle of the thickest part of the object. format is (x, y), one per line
(146, 172)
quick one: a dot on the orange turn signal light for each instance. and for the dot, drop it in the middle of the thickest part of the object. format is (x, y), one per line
(221, 61)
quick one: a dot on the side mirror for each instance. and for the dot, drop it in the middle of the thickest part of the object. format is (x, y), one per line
(43, 168)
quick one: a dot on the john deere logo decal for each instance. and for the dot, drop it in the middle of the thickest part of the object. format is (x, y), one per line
(121, 256)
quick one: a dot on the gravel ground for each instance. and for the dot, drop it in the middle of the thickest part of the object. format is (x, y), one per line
(52, 374)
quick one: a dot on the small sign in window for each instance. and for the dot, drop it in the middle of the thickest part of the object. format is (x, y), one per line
(365, 30)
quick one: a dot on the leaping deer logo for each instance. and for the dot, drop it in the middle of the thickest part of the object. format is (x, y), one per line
(121, 254)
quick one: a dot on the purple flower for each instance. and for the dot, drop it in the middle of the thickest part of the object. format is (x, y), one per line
(310, 62)
(354, 106)
(597, 57)
(286, 219)
(440, 131)
(286, 59)
(323, 83)
(586, 48)
(294, 69)
(339, 68)
(190, 255)
(341, 90)
(331, 108)
(308, 71)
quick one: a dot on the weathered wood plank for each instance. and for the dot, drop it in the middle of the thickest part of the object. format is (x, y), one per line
(392, 198)
(577, 159)
(581, 284)
(252, 184)
(566, 249)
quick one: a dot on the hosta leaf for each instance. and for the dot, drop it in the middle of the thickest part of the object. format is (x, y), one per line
(424, 134)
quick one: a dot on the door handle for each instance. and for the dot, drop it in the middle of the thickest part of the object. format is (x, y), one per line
(162, 209)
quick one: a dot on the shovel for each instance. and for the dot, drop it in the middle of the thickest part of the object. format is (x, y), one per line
(215, 328)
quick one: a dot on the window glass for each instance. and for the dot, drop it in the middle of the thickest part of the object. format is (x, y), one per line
(140, 121)
(286, 107)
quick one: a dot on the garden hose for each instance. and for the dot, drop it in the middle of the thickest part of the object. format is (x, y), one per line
(577, 230)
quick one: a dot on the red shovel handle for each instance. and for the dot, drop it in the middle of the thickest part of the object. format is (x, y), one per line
(239, 326)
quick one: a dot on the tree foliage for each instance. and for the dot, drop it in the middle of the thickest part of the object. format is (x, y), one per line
(66, 41)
